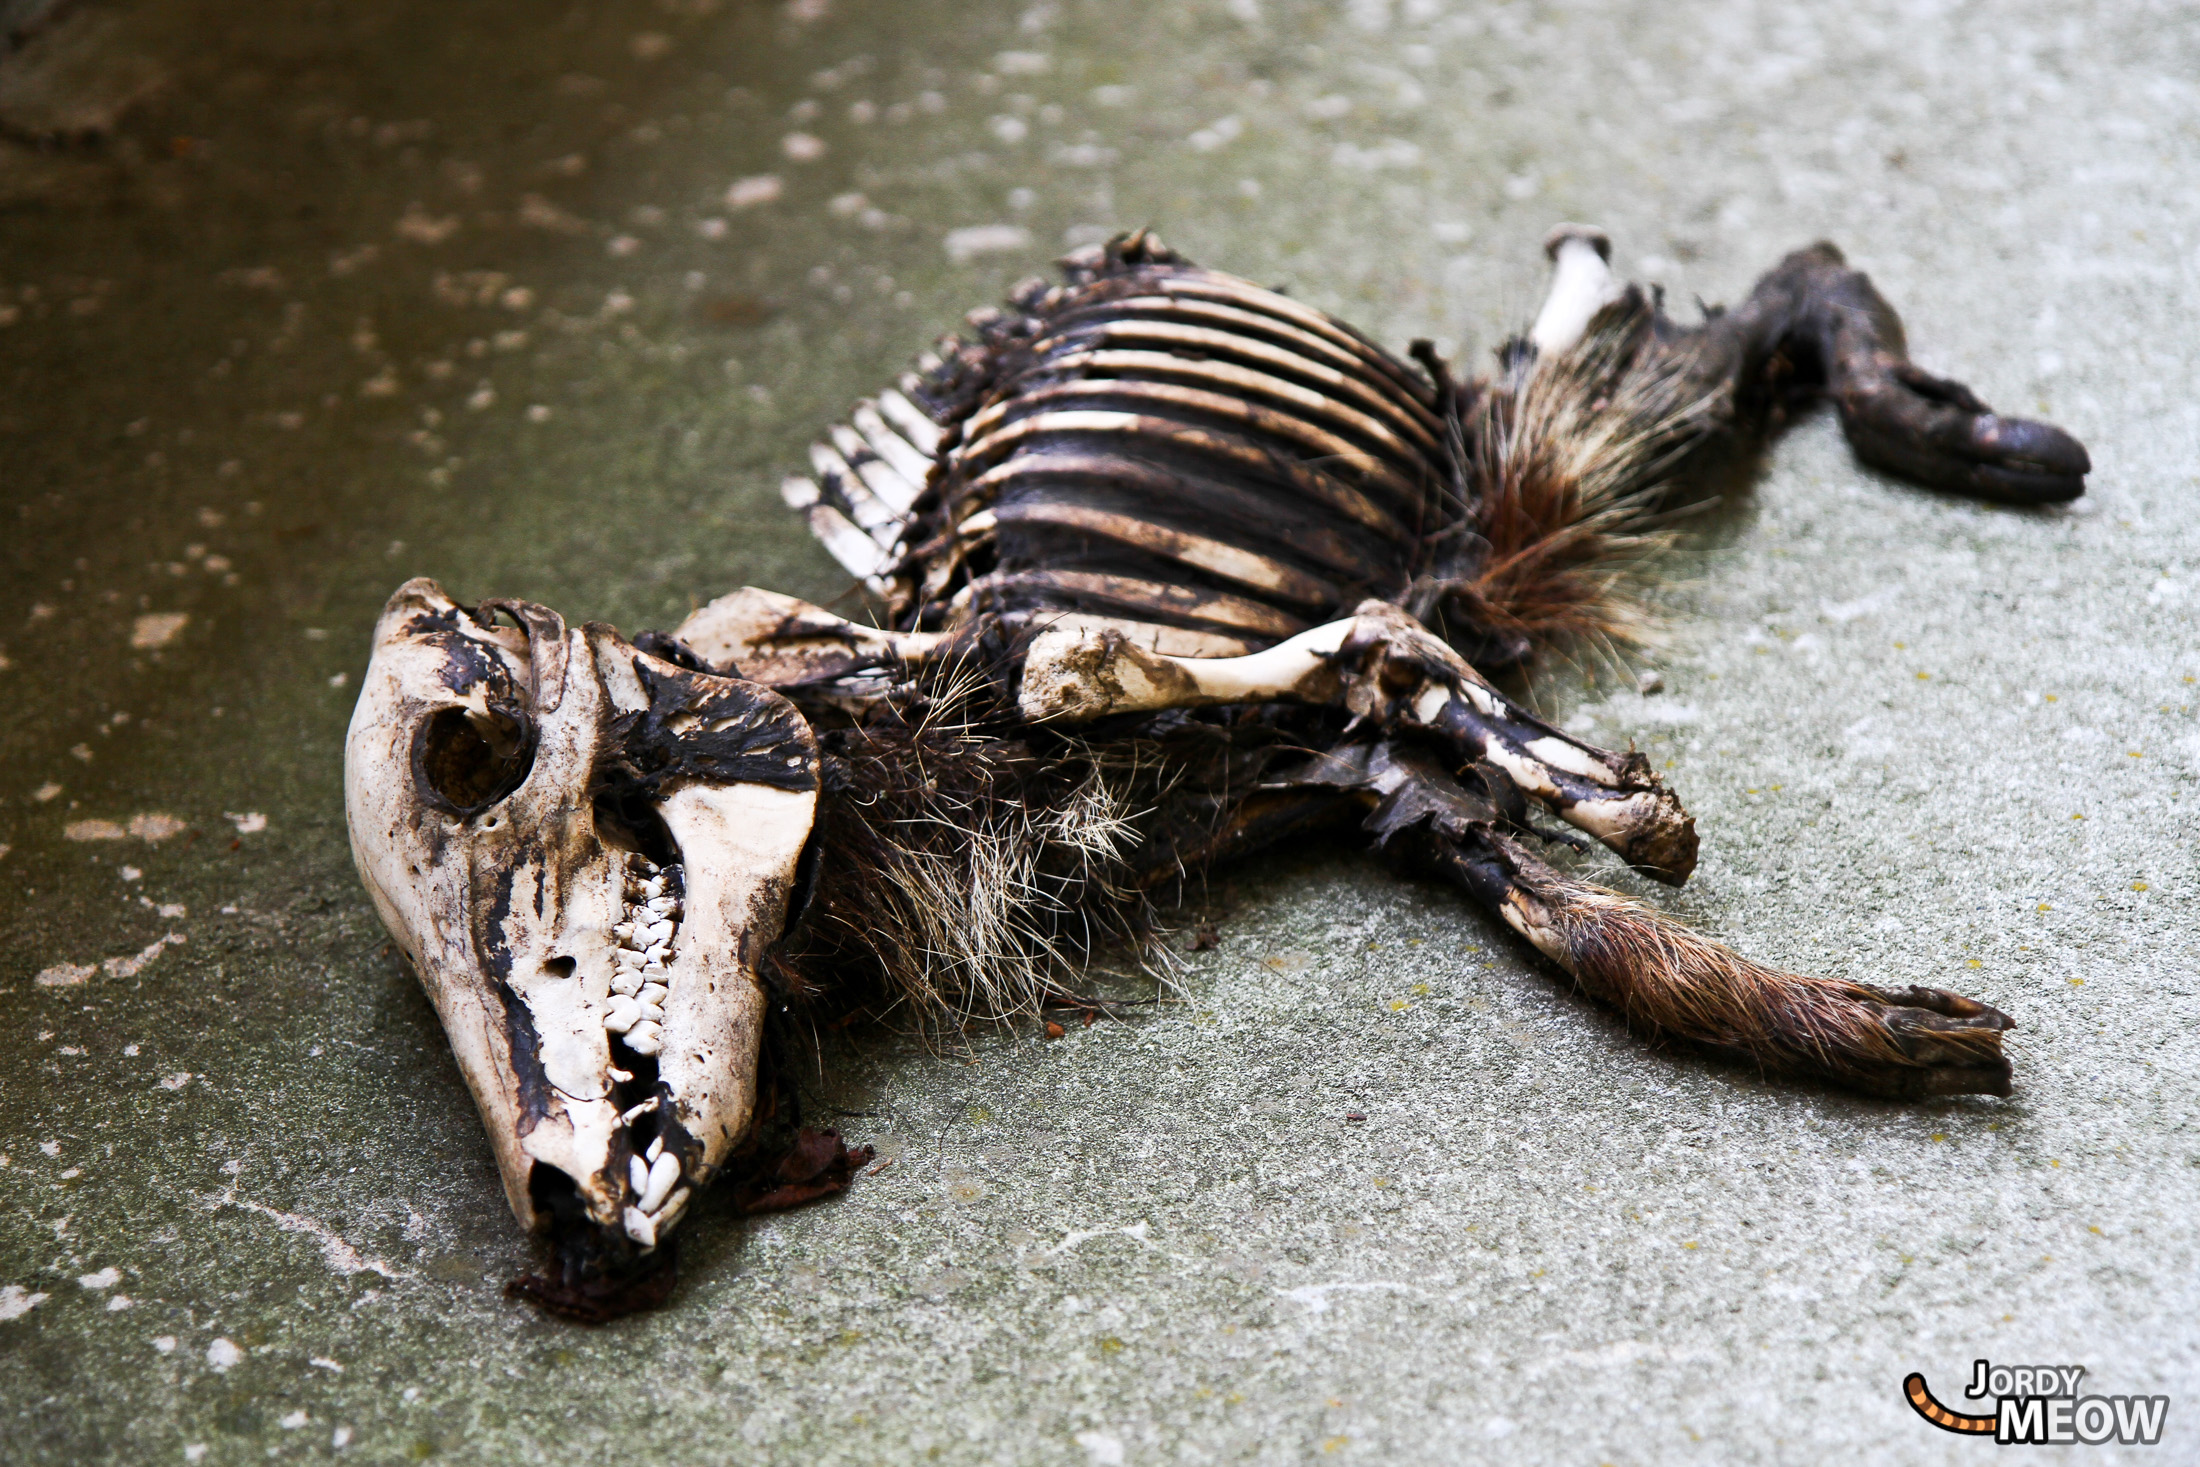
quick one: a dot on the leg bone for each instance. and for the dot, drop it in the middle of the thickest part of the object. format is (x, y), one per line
(1582, 284)
(1382, 665)
(782, 642)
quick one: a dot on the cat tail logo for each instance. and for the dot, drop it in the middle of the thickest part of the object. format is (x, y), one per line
(2040, 1406)
(1921, 1400)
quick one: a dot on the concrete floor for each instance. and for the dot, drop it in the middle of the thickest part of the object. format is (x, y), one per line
(337, 295)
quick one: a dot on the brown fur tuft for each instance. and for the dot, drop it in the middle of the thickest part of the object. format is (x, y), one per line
(1571, 466)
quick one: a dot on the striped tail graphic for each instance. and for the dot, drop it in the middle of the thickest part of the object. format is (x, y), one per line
(1921, 1400)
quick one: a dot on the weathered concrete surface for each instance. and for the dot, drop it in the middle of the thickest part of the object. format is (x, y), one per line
(281, 341)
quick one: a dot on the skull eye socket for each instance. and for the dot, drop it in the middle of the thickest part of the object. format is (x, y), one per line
(467, 761)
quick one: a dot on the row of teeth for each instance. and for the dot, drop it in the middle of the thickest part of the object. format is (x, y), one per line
(639, 984)
(658, 1195)
(639, 981)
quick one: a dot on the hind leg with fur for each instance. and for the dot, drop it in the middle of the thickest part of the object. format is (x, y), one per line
(1814, 326)
(1908, 1043)
(1905, 1044)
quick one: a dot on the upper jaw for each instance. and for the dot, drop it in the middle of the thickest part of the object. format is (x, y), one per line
(528, 804)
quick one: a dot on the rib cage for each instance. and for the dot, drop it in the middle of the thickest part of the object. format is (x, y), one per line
(868, 479)
(1204, 464)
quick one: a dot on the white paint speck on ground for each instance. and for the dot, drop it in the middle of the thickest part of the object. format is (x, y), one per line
(339, 1255)
(132, 965)
(17, 1301)
(1217, 134)
(165, 1344)
(223, 1354)
(106, 1278)
(421, 227)
(966, 244)
(340, 1438)
(65, 975)
(156, 629)
(760, 188)
(248, 822)
(1102, 1449)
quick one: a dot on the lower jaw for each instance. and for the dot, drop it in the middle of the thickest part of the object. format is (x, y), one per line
(595, 1275)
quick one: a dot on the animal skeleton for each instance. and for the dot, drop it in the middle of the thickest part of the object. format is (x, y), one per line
(1173, 566)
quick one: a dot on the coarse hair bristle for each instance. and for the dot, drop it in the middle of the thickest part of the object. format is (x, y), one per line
(962, 873)
(1572, 468)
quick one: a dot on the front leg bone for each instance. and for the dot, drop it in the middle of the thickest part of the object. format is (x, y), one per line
(1381, 665)
(782, 642)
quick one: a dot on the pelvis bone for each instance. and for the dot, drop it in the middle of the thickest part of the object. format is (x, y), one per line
(583, 849)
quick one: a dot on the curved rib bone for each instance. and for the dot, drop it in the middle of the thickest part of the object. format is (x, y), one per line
(1382, 665)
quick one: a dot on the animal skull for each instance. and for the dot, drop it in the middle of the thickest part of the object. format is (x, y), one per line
(584, 849)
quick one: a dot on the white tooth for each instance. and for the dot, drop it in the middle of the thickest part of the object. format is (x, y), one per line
(655, 886)
(661, 905)
(656, 934)
(624, 931)
(637, 1175)
(641, 1227)
(664, 1175)
(625, 1014)
(653, 1013)
(625, 982)
(671, 1209)
(654, 992)
(645, 1038)
(627, 1118)
(656, 1149)
(622, 1077)
(627, 958)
